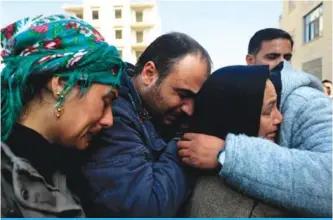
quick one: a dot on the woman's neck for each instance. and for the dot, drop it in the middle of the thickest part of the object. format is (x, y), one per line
(39, 119)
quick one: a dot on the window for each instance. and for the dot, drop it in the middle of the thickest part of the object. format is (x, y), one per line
(314, 67)
(291, 5)
(117, 13)
(139, 16)
(138, 54)
(120, 53)
(313, 24)
(95, 14)
(139, 36)
(79, 15)
(119, 34)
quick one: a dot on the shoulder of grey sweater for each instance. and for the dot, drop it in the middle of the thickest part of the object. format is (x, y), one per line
(300, 96)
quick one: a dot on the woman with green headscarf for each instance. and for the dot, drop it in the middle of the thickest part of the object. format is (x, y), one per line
(57, 86)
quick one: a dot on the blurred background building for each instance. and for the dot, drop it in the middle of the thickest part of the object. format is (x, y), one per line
(129, 25)
(310, 24)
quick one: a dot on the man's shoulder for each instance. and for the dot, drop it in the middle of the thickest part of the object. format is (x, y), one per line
(305, 98)
(305, 94)
(127, 103)
(122, 107)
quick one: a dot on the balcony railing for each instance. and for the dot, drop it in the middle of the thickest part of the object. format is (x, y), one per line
(142, 5)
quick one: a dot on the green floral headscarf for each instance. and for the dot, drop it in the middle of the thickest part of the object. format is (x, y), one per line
(57, 45)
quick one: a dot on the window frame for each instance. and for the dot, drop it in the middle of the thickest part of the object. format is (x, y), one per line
(313, 28)
(136, 17)
(121, 34)
(136, 36)
(94, 11)
(115, 13)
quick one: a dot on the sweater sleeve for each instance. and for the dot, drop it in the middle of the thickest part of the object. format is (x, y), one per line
(297, 177)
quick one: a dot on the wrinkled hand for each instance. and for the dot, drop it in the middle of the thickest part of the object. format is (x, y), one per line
(200, 150)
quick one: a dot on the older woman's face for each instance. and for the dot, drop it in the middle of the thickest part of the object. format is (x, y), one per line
(85, 116)
(270, 115)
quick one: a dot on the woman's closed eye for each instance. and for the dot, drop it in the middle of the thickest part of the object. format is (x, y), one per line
(109, 98)
(269, 109)
(268, 112)
(107, 102)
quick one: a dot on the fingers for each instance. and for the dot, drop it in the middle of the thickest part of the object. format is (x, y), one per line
(184, 153)
(189, 136)
(186, 160)
(183, 144)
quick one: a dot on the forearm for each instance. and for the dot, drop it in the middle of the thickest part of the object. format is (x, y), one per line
(299, 180)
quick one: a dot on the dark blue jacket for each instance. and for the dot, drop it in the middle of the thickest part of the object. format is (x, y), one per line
(132, 172)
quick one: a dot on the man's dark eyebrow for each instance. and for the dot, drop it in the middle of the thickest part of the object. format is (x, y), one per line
(186, 92)
(272, 54)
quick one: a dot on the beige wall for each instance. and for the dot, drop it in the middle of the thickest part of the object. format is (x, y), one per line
(107, 24)
(292, 21)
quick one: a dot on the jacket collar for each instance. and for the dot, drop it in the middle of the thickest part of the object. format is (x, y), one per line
(33, 147)
(31, 189)
(129, 92)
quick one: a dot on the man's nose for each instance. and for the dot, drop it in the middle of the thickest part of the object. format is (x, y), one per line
(280, 59)
(188, 107)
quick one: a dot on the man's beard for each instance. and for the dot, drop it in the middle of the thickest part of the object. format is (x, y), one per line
(158, 115)
(152, 100)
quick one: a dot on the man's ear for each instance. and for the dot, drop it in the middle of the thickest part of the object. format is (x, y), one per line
(56, 86)
(149, 73)
(250, 59)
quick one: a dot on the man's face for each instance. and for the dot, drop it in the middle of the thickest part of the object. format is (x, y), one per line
(173, 98)
(271, 53)
(328, 88)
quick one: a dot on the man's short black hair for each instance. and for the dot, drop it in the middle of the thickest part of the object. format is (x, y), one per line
(327, 81)
(267, 34)
(168, 49)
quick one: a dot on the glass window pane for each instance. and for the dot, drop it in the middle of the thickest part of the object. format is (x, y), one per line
(119, 34)
(95, 14)
(117, 13)
(139, 36)
(313, 24)
(139, 16)
(138, 54)
(311, 31)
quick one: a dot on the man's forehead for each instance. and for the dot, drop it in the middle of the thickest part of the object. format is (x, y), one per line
(276, 45)
(187, 81)
(187, 84)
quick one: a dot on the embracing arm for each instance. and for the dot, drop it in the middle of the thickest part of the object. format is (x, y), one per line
(127, 181)
(297, 177)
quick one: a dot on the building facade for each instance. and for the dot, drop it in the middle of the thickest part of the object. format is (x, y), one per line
(310, 24)
(129, 25)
